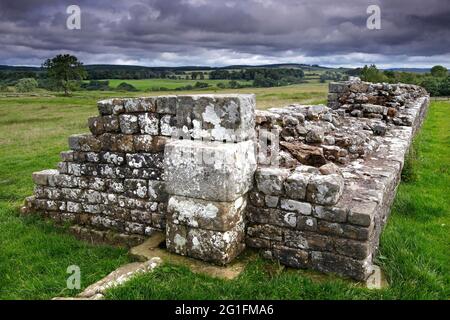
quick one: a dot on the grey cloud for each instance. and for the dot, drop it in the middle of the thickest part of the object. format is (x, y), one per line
(153, 31)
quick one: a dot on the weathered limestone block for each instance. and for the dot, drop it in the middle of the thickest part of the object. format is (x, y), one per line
(303, 208)
(338, 87)
(157, 191)
(146, 104)
(265, 231)
(149, 143)
(215, 246)
(332, 214)
(224, 117)
(44, 177)
(362, 213)
(296, 258)
(128, 123)
(136, 188)
(145, 160)
(149, 123)
(117, 142)
(166, 104)
(270, 180)
(210, 171)
(325, 190)
(218, 216)
(176, 238)
(296, 184)
(334, 263)
(111, 106)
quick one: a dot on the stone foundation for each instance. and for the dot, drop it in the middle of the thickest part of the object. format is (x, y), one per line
(311, 186)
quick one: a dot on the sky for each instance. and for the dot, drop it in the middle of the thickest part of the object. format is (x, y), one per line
(413, 33)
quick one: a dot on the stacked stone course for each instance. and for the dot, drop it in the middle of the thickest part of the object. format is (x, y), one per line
(311, 186)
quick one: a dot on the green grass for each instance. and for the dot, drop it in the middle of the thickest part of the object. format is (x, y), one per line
(414, 246)
(149, 84)
(34, 254)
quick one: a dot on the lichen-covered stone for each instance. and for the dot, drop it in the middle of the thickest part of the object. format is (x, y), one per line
(211, 171)
(270, 180)
(325, 190)
(149, 123)
(218, 216)
(128, 123)
(296, 184)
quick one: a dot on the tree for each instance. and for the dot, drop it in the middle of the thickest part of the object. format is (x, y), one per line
(439, 71)
(64, 69)
(26, 85)
(372, 74)
(431, 85)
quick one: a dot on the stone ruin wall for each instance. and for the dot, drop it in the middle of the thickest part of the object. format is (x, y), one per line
(311, 186)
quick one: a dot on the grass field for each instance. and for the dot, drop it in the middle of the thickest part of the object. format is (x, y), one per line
(34, 255)
(149, 84)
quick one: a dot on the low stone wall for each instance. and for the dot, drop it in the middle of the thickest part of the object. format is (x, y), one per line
(309, 185)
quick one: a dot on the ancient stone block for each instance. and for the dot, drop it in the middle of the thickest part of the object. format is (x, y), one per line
(296, 184)
(111, 106)
(329, 262)
(128, 123)
(147, 104)
(215, 246)
(144, 160)
(219, 216)
(140, 216)
(296, 258)
(66, 156)
(166, 104)
(333, 214)
(265, 231)
(42, 177)
(269, 180)
(271, 201)
(157, 191)
(168, 125)
(325, 190)
(136, 188)
(111, 123)
(306, 223)
(362, 213)
(227, 117)
(257, 243)
(149, 143)
(95, 124)
(176, 238)
(303, 208)
(117, 142)
(149, 123)
(338, 87)
(256, 198)
(355, 249)
(210, 171)
(66, 181)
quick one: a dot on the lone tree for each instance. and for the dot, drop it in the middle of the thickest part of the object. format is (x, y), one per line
(63, 69)
(439, 71)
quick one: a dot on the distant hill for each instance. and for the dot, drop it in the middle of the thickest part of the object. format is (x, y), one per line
(114, 67)
(414, 70)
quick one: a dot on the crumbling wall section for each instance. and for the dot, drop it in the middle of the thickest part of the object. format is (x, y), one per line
(110, 183)
(310, 185)
(322, 196)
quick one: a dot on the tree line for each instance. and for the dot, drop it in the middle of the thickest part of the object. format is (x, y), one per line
(436, 82)
(261, 77)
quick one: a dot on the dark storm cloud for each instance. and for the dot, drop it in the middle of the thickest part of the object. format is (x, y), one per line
(226, 31)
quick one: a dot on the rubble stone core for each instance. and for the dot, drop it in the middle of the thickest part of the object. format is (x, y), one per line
(311, 186)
